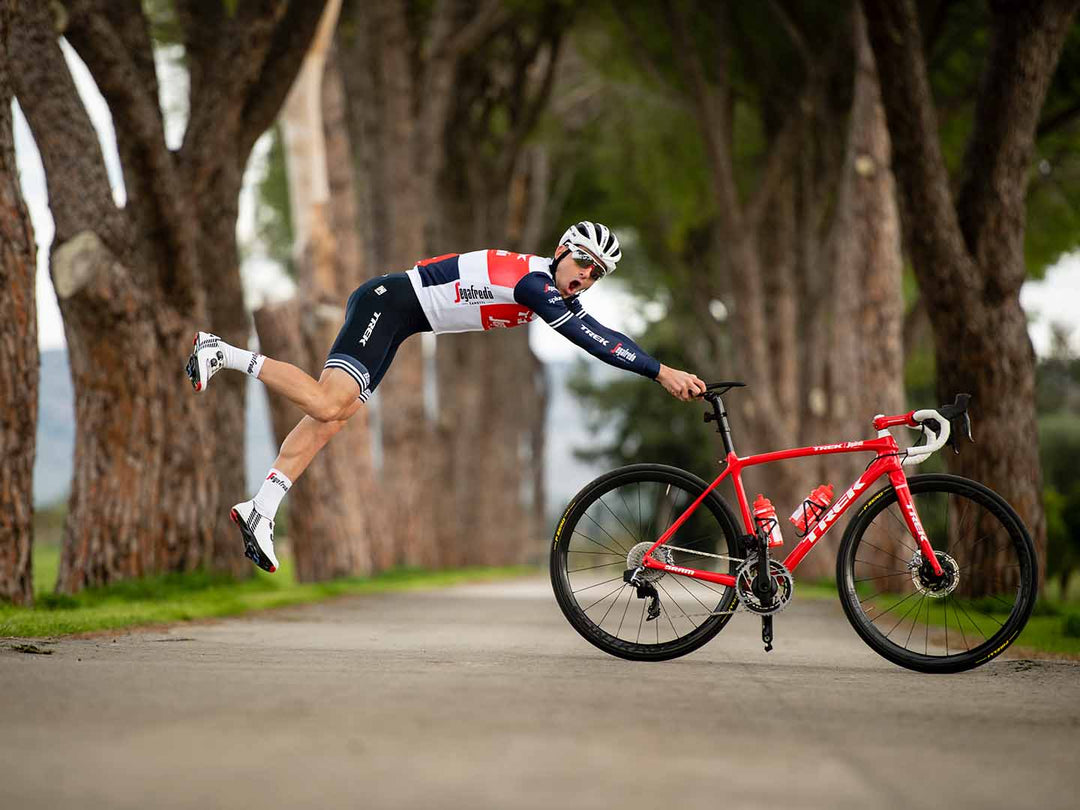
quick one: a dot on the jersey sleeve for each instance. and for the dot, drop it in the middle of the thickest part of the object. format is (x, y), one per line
(570, 320)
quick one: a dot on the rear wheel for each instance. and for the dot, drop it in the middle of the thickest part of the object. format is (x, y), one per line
(954, 622)
(608, 527)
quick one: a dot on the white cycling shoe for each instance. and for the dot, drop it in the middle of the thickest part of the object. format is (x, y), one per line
(258, 532)
(207, 359)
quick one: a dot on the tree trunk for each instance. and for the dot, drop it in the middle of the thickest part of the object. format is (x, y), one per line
(19, 359)
(967, 251)
(385, 130)
(117, 524)
(153, 463)
(757, 414)
(400, 68)
(330, 505)
(865, 350)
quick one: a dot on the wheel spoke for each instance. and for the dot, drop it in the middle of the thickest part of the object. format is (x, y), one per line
(984, 613)
(889, 553)
(602, 598)
(605, 531)
(869, 579)
(667, 613)
(597, 542)
(915, 621)
(926, 640)
(973, 623)
(629, 599)
(945, 609)
(906, 532)
(598, 584)
(891, 609)
(960, 627)
(620, 521)
(606, 612)
(692, 594)
(877, 565)
(590, 568)
(629, 514)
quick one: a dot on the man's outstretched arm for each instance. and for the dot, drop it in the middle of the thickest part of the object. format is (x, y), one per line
(614, 348)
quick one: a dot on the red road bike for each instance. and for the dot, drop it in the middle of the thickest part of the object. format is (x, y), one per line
(937, 573)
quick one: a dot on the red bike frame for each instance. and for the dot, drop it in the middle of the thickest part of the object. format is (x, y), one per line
(887, 463)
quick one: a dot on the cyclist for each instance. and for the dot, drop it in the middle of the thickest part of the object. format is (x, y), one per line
(483, 289)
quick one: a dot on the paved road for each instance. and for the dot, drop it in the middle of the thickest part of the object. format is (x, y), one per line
(482, 696)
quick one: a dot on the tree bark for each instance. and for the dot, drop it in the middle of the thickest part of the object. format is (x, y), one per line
(491, 396)
(19, 360)
(115, 526)
(864, 360)
(967, 248)
(153, 465)
(330, 506)
(400, 73)
(764, 416)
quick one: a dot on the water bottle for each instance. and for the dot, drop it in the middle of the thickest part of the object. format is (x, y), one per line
(765, 517)
(812, 507)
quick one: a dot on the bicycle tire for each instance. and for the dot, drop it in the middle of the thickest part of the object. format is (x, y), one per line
(573, 543)
(990, 588)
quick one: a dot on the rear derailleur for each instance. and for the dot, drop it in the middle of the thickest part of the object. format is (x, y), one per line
(645, 589)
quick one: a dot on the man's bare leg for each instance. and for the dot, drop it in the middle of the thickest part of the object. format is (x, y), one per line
(255, 517)
(326, 400)
(331, 399)
(306, 440)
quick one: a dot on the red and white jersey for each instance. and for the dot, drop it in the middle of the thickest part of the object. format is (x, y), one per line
(472, 291)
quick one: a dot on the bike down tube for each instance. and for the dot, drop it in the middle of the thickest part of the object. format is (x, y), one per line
(885, 463)
(882, 465)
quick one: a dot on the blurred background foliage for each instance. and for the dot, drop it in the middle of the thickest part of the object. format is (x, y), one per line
(621, 134)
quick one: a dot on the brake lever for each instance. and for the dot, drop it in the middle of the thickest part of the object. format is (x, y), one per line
(960, 425)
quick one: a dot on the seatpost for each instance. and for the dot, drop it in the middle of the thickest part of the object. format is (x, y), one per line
(719, 415)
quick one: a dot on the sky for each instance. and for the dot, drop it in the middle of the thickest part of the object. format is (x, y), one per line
(1056, 299)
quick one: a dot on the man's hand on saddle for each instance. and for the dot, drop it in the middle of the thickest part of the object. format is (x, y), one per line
(680, 384)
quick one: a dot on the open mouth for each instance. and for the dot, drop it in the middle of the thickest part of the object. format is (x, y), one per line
(573, 286)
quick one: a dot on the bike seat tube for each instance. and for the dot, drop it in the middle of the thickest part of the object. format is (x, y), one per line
(724, 428)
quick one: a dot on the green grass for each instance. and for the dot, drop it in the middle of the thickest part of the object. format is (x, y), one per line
(198, 595)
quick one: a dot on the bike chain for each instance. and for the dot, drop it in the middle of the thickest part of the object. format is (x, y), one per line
(715, 556)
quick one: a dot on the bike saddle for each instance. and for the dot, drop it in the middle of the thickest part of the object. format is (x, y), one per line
(723, 386)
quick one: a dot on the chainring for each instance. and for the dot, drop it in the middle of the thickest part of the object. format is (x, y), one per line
(744, 577)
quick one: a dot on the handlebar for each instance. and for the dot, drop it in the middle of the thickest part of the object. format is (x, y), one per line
(943, 424)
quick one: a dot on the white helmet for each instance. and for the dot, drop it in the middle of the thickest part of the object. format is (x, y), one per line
(593, 242)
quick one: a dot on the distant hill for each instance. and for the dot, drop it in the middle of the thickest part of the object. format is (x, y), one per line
(564, 475)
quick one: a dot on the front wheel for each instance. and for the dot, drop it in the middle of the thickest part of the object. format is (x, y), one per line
(954, 622)
(606, 530)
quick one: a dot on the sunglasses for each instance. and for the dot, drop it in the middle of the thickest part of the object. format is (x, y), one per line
(589, 263)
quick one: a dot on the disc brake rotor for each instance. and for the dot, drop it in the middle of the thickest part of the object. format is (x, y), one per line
(926, 583)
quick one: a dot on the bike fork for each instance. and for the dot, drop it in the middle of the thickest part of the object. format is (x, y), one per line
(911, 519)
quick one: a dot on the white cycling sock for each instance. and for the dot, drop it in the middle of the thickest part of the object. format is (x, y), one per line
(242, 360)
(273, 489)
